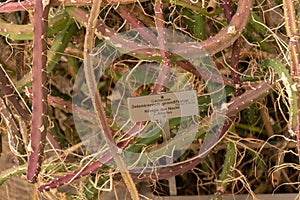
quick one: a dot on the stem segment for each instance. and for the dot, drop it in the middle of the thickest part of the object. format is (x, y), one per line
(39, 90)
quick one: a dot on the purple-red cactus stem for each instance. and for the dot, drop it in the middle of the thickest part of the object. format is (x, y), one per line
(39, 119)
(227, 10)
(136, 24)
(166, 63)
(236, 48)
(78, 173)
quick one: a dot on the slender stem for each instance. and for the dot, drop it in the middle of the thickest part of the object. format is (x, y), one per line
(236, 48)
(136, 24)
(39, 119)
(166, 63)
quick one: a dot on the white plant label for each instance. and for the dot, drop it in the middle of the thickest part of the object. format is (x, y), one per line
(163, 106)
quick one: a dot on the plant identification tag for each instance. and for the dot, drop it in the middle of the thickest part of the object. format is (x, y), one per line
(163, 106)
